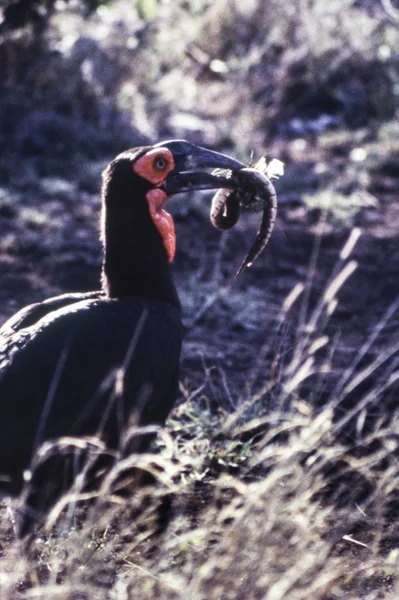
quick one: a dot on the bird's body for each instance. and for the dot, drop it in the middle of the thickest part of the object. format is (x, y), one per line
(93, 364)
(89, 359)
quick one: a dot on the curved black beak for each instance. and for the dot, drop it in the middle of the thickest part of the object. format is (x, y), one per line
(189, 157)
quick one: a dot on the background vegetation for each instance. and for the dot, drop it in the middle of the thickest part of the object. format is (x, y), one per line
(277, 476)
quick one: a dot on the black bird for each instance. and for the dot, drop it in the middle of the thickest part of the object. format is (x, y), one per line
(89, 364)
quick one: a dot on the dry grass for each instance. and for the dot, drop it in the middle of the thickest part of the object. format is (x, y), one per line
(284, 502)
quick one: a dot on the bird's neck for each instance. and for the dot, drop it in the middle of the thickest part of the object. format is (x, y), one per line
(135, 259)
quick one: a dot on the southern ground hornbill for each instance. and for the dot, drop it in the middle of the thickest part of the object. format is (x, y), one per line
(91, 364)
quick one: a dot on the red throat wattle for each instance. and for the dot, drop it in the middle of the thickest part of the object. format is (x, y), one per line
(162, 220)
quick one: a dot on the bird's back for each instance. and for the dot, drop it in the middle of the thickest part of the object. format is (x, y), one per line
(83, 369)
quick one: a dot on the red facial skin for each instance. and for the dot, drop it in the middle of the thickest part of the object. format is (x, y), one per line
(154, 167)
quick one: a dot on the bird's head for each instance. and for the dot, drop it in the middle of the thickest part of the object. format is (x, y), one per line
(155, 173)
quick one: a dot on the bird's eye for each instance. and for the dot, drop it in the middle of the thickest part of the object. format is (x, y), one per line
(160, 163)
(154, 165)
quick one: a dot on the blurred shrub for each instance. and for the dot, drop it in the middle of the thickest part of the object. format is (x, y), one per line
(20, 13)
(223, 73)
(59, 100)
(306, 59)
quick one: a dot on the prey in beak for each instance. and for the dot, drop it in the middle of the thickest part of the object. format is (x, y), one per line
(239, 187)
